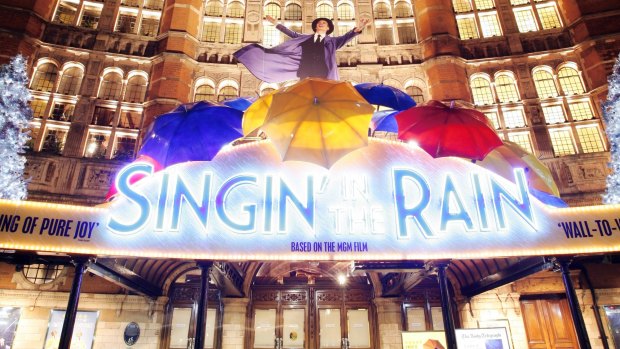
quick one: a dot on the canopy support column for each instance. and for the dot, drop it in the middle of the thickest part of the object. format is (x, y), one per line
(573, 304)
(203, 299)
(72, 305)
(446, 305)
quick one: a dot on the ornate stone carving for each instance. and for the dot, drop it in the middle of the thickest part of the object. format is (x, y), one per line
(329, 296)
(266, 295)
(97, 178)
(298, 297)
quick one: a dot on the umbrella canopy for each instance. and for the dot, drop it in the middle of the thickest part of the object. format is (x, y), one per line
(194, 132)
(443, 130)
(384, 121)
(318, 121)
(385, 95)
(239, 103)
(503, 159)
(255, 114)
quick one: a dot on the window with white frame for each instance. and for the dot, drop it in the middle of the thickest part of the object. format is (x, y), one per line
(272, 9)
(481, 91)
(235, 9)
(545, 86)
(103, 116)
(489, 24)
(325, 10)
(271, 36)
(62, 111)
(590, 138)
(96, 145)
(90, 16)
(126, 22)
(382, 10)
(149, 25)
(136, 89)
(232, 33)
(71, 81)
(461, 6)
(402, 9)
(554, 114)
(562, 141)
(345, 11)
(204, 93)
(506, 88)
(570, 81)
(492, 116)
(385, 35)
(130, 119)
(345, 28)
(529, 13)
(211, 31)
(111, 86)
(54, 139)
(525, 20)
(38, 107)
(124, 147)
(580, 111)
(66, 12)
(513, 118)
(523, 139)
(227, 90)
(416, 93)
(214, 8)
(44, 77)
(467, 27)
(406, 32)
(292, 12)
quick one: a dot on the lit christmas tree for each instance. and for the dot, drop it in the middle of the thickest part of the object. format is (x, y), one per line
(611, 115)
(15, 113)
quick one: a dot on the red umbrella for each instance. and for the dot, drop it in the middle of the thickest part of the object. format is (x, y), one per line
(443, 130)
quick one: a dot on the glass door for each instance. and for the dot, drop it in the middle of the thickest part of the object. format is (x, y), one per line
(293, 328)
(265, 328)
(330, 331)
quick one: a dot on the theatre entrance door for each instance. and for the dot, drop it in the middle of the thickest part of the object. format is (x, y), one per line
(548, 322)
(311, 317)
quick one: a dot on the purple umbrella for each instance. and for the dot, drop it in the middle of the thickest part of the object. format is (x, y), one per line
(385, 95)
(191, 132)
(384, 121)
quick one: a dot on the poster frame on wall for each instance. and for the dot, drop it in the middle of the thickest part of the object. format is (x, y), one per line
(416, 339)
(8, 328)
(83, 332)
(479, 338)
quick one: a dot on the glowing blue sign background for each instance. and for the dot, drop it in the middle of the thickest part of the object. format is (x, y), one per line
(386, 201)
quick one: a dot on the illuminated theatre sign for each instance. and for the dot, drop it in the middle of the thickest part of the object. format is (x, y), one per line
(385, 201)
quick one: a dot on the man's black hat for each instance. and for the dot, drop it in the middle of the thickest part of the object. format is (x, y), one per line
(329, 23)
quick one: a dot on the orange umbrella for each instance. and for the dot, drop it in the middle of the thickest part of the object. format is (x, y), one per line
(254, 116)
(510, 155)
(443, 130)
(318, 121)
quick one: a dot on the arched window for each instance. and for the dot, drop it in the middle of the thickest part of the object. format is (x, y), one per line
(416, 93)
(382, 10)
(272, 9)
(570, 81)
(204, 92)
(293, 12)
(346, 11)
(403, 9)
(44, 78)
(545, 86)
(235, 9)
(214, 8)
(484, 4)
(506, 88)
(136, 89)
(325, 10)
(111, 86)
(71, 81)
(227, 90)
(481, 91)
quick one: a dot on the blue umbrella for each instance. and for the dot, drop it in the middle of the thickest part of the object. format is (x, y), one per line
(239, 103)
(384, 121)
(385, 95)
(191, 132)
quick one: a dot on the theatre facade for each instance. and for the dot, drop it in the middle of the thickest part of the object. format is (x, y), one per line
(387, 248)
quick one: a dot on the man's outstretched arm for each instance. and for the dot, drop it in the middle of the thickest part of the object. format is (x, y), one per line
(342, 40)
(282, 28)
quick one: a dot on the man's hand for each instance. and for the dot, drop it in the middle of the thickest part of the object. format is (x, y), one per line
(271, 20)
(363, 23)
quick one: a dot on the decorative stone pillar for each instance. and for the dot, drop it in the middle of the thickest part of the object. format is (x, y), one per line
(233, 323)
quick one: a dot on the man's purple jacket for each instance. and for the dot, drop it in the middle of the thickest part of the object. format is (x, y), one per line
(281, 63)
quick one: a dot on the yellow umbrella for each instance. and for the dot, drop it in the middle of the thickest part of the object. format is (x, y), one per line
(254, 116)
(318, 121)
(504, 158)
